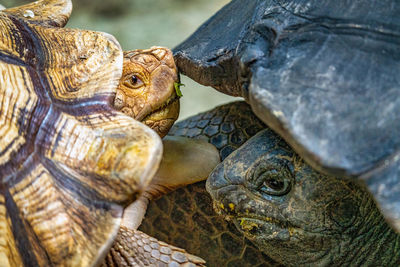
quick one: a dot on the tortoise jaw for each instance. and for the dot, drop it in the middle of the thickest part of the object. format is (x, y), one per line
(158, 112)
(269, 228)
(254, 226)
(162, 118)
(245, 216)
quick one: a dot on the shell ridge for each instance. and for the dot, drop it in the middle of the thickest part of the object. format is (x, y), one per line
(16, 177)
(10, 59)
(48, 13)
(35, 65)
(23, 32)
(89, 105)
(19, 231)
(18, 225)
(63, 176)
(82, 232)
(31, 44)
(28, 127)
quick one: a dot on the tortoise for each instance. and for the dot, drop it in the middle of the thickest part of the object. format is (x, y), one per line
(292, 213)
(73, 155)
(185, 217)
(324, 76)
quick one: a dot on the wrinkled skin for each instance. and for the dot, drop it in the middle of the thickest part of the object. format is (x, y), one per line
(323, 220)
(146, 90)
(185, 217)
(296, 215)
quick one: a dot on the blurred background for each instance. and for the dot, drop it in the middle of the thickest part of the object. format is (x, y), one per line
(145, 23)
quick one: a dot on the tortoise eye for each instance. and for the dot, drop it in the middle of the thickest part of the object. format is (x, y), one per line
(133, 82)
(275, 183)
(272, 177)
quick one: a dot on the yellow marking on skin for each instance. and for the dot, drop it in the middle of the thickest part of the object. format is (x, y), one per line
(291, 231)
(248, 225)
(231, 206)
(268, 219)
(222, 206)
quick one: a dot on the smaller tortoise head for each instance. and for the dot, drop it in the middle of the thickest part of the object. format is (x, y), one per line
(146, 91)
(293, 213)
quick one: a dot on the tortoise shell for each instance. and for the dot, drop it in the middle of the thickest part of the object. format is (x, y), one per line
(322, 75)
(69, 162)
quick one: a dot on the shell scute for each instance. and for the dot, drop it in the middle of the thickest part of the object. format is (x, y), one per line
(69, 162)
(58, 223)
(51, 13)
(17, 102)
(9, 255)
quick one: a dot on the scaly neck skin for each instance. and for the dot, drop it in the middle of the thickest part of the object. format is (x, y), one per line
(374, 244)
(378, 247)
(368, 241)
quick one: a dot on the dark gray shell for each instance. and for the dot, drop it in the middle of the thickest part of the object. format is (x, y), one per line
(324, 76)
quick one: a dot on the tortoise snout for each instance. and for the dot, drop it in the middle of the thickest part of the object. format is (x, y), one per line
(222, 191)
(216, 180)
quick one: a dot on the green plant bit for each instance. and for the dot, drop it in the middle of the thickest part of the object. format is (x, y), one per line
(178, 89)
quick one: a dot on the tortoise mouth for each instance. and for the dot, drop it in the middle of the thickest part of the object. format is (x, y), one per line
(268, 228)
(272, 229)
(165, 111)
(257, 226)
(162, 118)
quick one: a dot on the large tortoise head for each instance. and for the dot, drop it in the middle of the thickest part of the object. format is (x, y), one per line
(296, 215)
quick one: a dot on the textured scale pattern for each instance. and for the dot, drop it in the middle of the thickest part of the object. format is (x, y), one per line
(69, 162)
(135, 248)
(185, 217)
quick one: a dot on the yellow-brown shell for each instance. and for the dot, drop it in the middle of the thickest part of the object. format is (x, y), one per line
(69, 163)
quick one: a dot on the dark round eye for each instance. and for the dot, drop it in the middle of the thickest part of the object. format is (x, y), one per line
(275, 183)
(134, 79)
(133, 82)
(272, 177)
